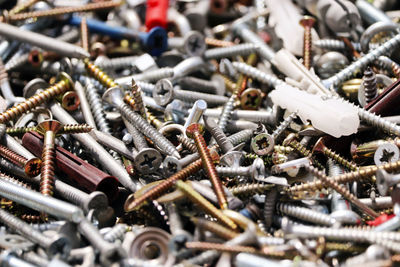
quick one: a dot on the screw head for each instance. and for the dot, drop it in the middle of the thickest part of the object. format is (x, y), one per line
(35, 57)
(194, 44)
(49, 125)
(113, 96)
(257, 169)
(70, 101)
(32, 167)
(148, 160)
(262, 144)
(163, 92)
(319, 146)
(68, 80)
(307, 22)
(194, 128)
(32, 86)
(382, 181)
(96, 200)
(251, 99)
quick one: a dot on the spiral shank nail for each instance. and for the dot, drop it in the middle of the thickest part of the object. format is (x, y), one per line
(306, 214)
(231, 51)
(47, 171)
(361, 63)
(100, 75)
(187, 143)
(117, 232)
(269, 206)
(340, 160)
(253, 72)
(284, 125)
(253, 188)
(154, 75)
(16, 61)
(64, 10)
(227, 112)
(166, 184)
(370, 85)
(76, 128)
(34, 101)
(143, 126)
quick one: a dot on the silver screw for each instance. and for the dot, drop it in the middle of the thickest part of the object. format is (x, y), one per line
(192, 43)
(231, 51)
(9, 259)
(257, 74)
(148, 76)
(215, 86)
(306, 214)
(385, 180)
(114, 96)
(254, 171)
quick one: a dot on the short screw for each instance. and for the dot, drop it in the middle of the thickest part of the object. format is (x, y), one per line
(205, 204)
(370, 86)
(62, 86)
(31, 166)
(114, 96)
(195, 131)
(136, 101)
(307, 23)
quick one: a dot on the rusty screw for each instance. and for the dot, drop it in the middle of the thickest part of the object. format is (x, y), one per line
(307, 22)
(195, 131)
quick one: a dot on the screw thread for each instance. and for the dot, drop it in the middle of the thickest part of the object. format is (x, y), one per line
(76, 128)
(252, 188)
(253, 72)
(197, 84)
(370, 85)
(138, 139)
(153, 120)
(339, 159)
(307, 43)
(333, 44)
(84, 34)
(35, 100)
(12, 156)
(231, 51)
(233, 171)
(187, 143)
(219, 43)
(100, 75)
(205, 204)
(283, 125)
(227, 112)
(117, 63)
(163, 186)
(223, 142)
(153, 75)
(192, 96)
(269, 206)
(143, 126)
(378, 122)
(305, 152)
(117, 232)
(47, 170)
(306, 214)
(241, 137)
(215, 228)
(13, 180)
(19, 130)
(16, 61)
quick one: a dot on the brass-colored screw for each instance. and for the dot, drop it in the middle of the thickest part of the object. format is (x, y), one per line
(62, 86)
(307, 22)
(66, 129)
(204, 204)
(343, 191)
(283, 149)
(61, 11)
(187, 143)
(133, 204)
(137, 96)
(69, 100)
(214, 228)
(84, 34)
(31, 167)
(100, 75)
(320, 147)
(242, 80)
(303, 151)
(218, 43)
(195, 131)
(253, 188)
(153, 120)
(230, 85)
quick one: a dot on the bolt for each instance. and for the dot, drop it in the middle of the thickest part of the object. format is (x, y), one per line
(37, 99)
(114, 96)
(195, 132)
(205, 204)
(307, 23)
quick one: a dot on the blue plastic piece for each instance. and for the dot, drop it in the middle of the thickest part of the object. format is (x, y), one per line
(155, 41)
(245, 212)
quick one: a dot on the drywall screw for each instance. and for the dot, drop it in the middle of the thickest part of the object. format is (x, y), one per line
(306, 214)
(231, 51)
(187, 143)
(302, 150)
(268, 117)
(259, 75)
(215, 228)
(62, 11)
(333, 44)
(307, 23)
(62, 86)
(114, 96)
(164, 93)
(226, 112)
(65, 129)
(370, 86)
(224, 144)
(321, 148)
(361, 63)
(254, 171)
(100, 75)
(195, 132)
(31, 166)
(205, 204)
(117, 232)
(52, 245)
(343, 191)
(84, 35)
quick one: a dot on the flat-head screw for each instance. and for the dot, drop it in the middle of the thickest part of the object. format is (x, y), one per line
(205, 204)
(31, 166)
(62, 86)
(307, 23)
(195, 131)
(384, 181)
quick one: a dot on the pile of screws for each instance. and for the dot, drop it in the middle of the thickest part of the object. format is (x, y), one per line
(199, 133)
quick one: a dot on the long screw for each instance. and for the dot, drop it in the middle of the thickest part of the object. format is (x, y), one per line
(62, 86)
(84, 35)
(100, 75)
(205, 204)
(307, 23)
(31, 166)
(195, 131)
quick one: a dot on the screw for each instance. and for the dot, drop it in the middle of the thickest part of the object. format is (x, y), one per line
(114, 96)
(218, 43)
(84, 35)
(192, 43)
(148, 76)
(30, 166)
(369, 85)
(215, 228)
(384, 181)
(195, 131)
(321, 148)
(306, 214)
(196, 112)
(250, 188)
(231, 51)
(100, 75)
(215, 86)
(136, 102)
(205, 204)
(37, 99)
(307, 23)
(255, 171)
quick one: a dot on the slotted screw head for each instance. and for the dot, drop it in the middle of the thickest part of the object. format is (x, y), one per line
(307, 22)
(49, 125)
(114, 96)
(194, 128)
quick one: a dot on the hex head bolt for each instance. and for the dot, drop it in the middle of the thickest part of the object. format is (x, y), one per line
(52, 245)
(205, 204)
(62, 86)
(114, 96)
(307, 23)
(31, 166)
(195, 131)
